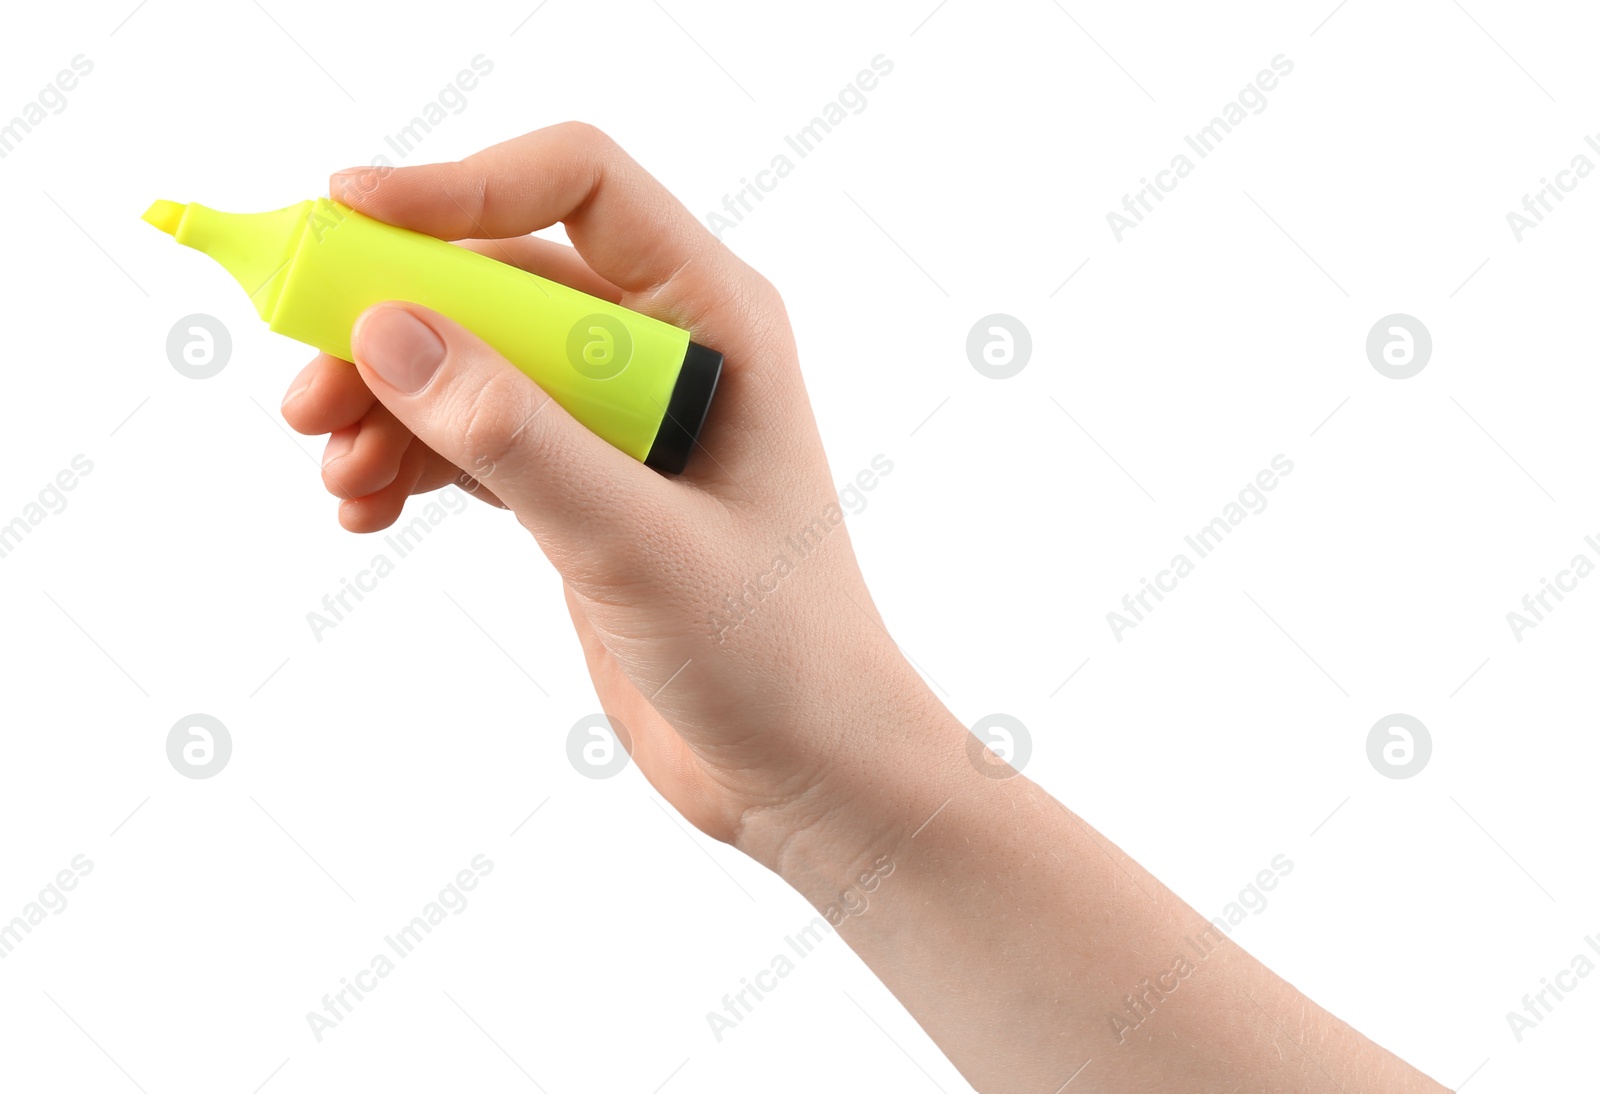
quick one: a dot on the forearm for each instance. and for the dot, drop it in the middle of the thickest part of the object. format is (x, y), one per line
(1029, 947)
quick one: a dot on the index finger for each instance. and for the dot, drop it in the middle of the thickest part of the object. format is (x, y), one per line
(627, 226)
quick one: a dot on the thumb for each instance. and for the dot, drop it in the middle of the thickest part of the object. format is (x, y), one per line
(483, 414)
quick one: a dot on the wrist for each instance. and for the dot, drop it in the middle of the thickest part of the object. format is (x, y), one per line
(898, 758)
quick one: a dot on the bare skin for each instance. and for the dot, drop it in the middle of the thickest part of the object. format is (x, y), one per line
(1036, 954)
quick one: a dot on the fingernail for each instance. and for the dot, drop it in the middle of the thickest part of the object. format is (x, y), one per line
(397, 346)
(339, 444)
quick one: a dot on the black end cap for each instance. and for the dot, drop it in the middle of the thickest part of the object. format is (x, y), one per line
(686, 409)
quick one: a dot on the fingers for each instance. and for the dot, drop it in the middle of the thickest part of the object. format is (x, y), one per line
(366, 442)
(328, 394)
(474, 408)
(441, 472)
(378, 510)
(364, 458)
(548, 259)
(641, 243)
(629, 229)
(419, 470)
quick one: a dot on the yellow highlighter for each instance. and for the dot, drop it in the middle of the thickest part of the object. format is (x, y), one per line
(311, 269)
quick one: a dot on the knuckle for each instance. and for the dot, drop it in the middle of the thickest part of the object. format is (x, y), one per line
(499, 427)
(584, 130)
(766, 293)
(762, 305)
(753, 291)
(587, 135)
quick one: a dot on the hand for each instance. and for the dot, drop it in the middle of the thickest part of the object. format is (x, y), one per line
(727, 627)
(722, 614)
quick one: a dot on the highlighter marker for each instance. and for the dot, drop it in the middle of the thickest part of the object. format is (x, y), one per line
(312, 268)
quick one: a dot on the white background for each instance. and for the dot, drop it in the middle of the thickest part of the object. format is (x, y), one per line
(1228, 728)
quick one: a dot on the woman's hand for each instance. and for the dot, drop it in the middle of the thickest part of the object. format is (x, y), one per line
(722, 613)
